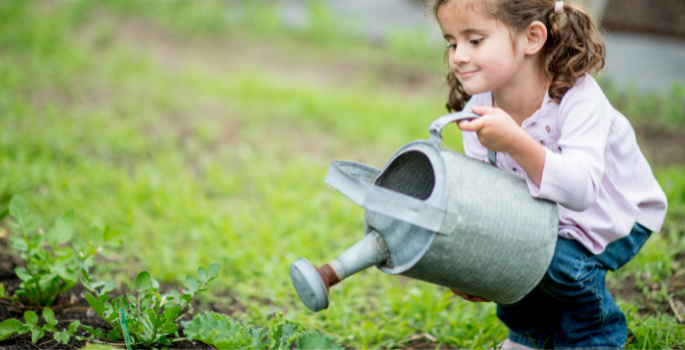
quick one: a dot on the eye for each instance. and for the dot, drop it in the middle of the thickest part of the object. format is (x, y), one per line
(452, 46)
(476, 41)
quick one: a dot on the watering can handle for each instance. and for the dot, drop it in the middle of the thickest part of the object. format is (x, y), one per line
(437, 125)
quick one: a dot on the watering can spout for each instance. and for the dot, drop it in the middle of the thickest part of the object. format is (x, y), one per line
(312, 283)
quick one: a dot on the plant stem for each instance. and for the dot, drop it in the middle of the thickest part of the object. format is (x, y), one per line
(188, 304)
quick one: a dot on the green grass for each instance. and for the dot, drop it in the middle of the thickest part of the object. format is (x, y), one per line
(199, 165)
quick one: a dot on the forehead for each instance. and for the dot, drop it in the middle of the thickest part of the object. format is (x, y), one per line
(459, 14)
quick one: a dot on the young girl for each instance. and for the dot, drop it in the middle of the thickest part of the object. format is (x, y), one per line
(524, 65)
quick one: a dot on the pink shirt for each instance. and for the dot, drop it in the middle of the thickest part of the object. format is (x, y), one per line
(594, 169)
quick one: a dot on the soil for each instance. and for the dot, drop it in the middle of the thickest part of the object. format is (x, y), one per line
(72, 307)
(663, 17)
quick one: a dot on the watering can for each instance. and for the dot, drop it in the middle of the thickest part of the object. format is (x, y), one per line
(438, 216)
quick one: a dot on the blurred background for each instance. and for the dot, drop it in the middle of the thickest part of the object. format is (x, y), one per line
(204, 130)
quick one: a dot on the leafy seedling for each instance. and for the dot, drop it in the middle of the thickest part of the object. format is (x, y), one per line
(12, 326)
(149, 318)
(225, 333)
(51, 267)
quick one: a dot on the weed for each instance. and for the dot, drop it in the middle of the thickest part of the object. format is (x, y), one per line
(53, 271)
(148, 318)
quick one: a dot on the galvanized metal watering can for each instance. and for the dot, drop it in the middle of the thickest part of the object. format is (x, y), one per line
(438, 216)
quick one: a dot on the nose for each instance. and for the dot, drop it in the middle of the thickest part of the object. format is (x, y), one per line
(460, 56)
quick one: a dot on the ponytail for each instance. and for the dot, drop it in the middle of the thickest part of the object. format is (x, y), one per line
(574, 47)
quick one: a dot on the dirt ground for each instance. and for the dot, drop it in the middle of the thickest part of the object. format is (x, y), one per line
(662, 17)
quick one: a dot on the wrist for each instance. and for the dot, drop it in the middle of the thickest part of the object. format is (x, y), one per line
(521, 144)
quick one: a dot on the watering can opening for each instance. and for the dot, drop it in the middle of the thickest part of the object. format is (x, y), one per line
(411, 173)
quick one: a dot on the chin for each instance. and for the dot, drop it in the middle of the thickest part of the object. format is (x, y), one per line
(473, 89)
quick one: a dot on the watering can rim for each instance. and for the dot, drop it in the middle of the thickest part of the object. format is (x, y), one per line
(351, 179)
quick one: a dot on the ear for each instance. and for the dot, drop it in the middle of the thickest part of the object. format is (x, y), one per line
(536, 36)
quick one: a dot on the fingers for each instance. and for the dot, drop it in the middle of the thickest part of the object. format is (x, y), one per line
(473, 125)
(471, 298)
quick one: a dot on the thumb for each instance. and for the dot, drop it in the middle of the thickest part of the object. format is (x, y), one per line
(482, 110)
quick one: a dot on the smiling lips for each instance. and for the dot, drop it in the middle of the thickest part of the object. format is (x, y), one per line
(468, 74)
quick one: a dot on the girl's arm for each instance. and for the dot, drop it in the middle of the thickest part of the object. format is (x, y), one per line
(499, 132)
(573, 176)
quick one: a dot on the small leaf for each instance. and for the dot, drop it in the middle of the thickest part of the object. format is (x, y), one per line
(86, 284)
(96, 304)
(97, 237)
(31, 318)
(315, 340)
(143, 281)
(37, 335)
(169, 328)
(104, 298)
(4, 213)
(22, 273)
(108, 287)
(171, 312)
(64, 229)
(186, 297)
(94, 331)
(131, 299)
(202, 274)
(73, 327)
(49, 316)
(213, 270)
(110, 233)
(191, 284)
(11, 326)
(18, 209)
(175, 294)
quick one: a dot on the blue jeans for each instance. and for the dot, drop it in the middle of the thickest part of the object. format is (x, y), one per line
(571, 307)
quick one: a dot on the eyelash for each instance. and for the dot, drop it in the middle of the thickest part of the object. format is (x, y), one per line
(473, 42)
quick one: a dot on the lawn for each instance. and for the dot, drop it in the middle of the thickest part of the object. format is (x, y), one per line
(202, 131)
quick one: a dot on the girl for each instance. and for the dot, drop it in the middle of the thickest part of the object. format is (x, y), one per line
(524, 65)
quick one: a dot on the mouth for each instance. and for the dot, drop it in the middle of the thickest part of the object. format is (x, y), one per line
(468, 74)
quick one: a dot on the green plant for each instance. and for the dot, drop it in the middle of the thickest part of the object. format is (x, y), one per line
(12, 326)
(225, 333)
(151, 318)
(52, 270)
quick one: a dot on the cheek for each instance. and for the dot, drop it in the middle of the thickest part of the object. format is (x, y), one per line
(498, 66)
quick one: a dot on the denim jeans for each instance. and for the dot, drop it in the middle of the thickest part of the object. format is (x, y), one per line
(571, 307)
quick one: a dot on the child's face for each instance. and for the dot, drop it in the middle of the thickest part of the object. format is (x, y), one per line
(481, 53)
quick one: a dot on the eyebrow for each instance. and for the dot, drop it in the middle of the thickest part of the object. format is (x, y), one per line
(465, 31)
(471, 30)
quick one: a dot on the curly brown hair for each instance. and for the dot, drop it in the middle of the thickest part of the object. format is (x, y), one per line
(574, 46)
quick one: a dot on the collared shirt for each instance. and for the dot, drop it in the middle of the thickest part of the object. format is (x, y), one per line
(594, 169)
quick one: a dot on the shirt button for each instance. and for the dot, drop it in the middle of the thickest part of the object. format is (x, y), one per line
(514, 169)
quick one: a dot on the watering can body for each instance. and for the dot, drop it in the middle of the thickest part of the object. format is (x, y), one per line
(438, 216)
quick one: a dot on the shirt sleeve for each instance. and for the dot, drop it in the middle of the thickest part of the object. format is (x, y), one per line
(472, 147)
(572, 178)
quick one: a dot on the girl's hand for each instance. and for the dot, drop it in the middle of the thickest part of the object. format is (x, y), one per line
(471, 298)
(496, 129)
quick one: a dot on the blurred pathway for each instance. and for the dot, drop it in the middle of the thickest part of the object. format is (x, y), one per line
(651, 62)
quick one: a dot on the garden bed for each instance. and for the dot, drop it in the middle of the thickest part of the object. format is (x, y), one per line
(69, 307)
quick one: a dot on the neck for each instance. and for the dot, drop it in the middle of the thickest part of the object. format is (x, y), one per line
(523, 94)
